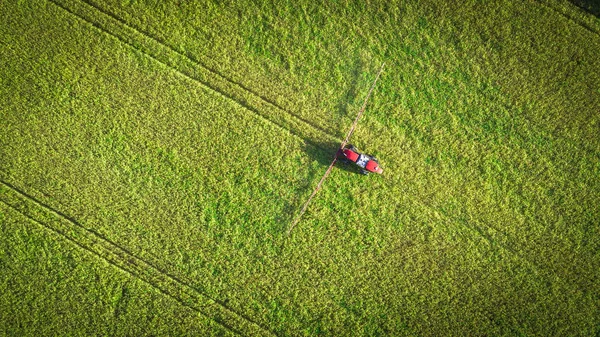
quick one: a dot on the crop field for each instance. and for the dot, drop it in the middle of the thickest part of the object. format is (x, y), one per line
(153, 155)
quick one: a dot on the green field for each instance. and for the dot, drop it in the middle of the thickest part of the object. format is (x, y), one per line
(154, 153)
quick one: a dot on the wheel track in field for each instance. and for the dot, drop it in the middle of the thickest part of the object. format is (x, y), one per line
(493, 235)
(498, 237)
(120, 257)
(563, 13)
(497, 240)
(260, 106)
(477, 230)
(495, 243)
(268, 104)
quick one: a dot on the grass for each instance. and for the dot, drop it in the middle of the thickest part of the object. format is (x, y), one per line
(152, 156)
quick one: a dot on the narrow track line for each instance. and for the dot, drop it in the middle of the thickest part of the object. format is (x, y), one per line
(479, 231)
(197, 72)
(569, 17)
(117, 265)
(186, 55)
(192, 59)
(121, 258)
(475, 230)
(540, 277)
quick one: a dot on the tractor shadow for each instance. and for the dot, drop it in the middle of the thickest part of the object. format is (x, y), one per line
(324, 152)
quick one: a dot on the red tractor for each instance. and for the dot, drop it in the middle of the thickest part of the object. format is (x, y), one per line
(366, 162)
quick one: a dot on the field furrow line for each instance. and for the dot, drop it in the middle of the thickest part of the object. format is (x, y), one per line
(259, 106)
(496, 239)
(166, 282)
(570, 17)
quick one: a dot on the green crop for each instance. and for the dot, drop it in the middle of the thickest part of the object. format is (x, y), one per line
(153, 155)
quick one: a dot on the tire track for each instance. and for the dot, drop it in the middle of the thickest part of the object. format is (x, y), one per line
(477, 231)
(495, 242)
(593, 30)
(111, 25)
(120, 257)
(496, 239)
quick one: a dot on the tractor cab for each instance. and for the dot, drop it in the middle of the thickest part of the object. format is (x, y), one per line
(366, 162)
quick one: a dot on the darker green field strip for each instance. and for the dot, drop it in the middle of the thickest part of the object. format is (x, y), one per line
(187, 66)
(171, 285)
(545, 72)
(504, 136)
(462, 205)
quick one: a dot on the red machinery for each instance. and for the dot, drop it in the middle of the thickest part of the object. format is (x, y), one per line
(366, 162)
